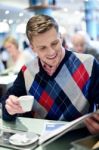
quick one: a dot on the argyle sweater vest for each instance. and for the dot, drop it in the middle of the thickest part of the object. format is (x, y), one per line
(64, 95)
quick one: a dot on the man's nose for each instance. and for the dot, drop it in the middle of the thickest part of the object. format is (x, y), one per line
(51, 51)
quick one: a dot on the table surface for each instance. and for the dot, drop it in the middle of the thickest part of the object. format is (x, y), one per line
(37, 125)
(7, 79)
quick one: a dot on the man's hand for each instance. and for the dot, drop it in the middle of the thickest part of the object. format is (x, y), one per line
(92, 123)
(13, 106)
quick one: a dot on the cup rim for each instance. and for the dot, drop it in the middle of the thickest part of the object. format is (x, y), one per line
(22, 98)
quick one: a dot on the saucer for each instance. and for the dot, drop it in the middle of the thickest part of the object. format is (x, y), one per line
(23, 139)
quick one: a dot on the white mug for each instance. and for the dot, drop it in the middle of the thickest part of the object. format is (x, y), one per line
(26, 102)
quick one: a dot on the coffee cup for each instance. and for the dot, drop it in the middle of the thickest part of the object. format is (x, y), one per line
(26, 102)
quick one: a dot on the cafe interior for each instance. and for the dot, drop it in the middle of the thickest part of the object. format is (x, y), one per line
(73, 16)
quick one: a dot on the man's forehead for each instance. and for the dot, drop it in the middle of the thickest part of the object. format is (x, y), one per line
(44, 40)
(45, 43)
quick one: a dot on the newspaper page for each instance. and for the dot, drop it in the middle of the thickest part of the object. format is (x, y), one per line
(55, 130)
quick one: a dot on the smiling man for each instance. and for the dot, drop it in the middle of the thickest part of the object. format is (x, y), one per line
(64, 84)
(50, 50)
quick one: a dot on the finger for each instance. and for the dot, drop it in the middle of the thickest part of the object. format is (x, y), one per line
(13, 111)
(96, 117)
(9, 109)
(10, 103)
(14, 99)
(92, 125)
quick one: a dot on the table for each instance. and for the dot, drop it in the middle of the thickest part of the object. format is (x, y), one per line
(36, 125)
(7, 79)
(5, 82)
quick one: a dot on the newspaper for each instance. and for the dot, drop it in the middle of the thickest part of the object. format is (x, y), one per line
(56, 129)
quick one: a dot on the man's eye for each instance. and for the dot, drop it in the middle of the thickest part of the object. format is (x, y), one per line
(42, 48)
(53, 44)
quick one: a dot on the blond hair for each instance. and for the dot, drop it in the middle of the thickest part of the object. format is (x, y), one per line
(40, 24)
(12, 41)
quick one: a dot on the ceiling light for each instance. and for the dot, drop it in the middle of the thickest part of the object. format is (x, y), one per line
(4, 27)
(21, 14)
(10, 21)
(7, 12)
(65, 9)
(77, 12)
(4, 20)
(21, 28)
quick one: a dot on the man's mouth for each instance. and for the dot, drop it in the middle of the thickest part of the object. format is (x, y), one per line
(52, 57)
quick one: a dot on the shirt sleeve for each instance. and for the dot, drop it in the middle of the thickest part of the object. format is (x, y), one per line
(17, 89)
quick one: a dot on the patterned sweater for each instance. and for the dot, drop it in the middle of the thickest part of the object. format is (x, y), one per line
(68, 94)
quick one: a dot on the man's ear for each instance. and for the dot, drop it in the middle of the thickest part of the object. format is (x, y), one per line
(32, 47)
(60, 35)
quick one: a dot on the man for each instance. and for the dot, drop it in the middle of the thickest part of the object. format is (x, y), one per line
(64, 84)
(82, 44)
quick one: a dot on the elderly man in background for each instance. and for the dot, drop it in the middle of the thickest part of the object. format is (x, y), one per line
(81, 43)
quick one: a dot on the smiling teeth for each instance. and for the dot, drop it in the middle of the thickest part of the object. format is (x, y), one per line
(52, 57)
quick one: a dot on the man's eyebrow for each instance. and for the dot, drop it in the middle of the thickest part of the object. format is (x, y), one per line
(38, 46)
(55, 40)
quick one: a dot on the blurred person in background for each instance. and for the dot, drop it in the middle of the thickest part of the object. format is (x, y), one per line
(2, 65)
(2, 68)
(64, 84)
(81, 43)
(17, 57)
(27, 48)
(4, 56)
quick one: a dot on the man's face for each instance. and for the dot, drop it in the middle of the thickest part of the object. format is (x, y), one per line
(48, 47)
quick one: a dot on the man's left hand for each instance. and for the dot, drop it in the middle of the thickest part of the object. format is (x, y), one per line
(92, 123)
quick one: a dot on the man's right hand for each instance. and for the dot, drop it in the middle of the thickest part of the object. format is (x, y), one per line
(13, 106)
